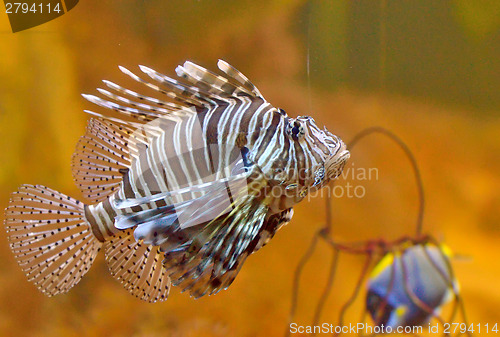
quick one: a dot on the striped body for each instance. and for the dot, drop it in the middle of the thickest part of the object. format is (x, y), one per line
(256, 125)
(194, 184)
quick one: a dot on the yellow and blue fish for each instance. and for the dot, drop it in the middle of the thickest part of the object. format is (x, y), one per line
(409, 287)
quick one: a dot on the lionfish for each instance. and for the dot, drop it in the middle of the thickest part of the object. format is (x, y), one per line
(180, 189)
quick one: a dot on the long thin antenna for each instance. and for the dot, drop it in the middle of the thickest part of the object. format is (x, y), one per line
(328, 212)
(308, 57)
(354, 295)
(413, 162)
(296, 279)
(327, 289)
(383, 44)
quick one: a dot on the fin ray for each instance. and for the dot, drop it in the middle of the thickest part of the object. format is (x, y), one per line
(138, 267)
(235, 74)
(99, 157)
(55, 247)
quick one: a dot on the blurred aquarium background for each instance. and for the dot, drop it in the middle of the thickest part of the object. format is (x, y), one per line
(427, 70)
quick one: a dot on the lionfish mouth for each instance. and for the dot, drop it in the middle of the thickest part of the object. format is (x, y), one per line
(336, 163)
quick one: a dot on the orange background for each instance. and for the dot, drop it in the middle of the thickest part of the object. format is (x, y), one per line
(444, 107)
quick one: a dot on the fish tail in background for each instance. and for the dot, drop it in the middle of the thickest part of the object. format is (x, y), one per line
(50, 238)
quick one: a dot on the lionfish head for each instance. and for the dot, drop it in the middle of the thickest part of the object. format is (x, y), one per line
(320, 143)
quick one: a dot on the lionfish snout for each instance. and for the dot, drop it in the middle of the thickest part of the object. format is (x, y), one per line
(338, 157)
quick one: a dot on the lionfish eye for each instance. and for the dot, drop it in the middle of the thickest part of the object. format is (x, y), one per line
(296, 130)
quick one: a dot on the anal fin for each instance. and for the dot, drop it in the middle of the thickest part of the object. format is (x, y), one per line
(99, 157)
(138, 267)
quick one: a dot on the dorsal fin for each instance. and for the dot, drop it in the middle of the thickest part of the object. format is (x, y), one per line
(138, 267)
(238, 77)
(104, 150)
(209, 81)
(200, 89)
(98, 158)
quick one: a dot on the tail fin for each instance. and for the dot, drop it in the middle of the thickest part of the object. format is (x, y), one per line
(50, 238)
